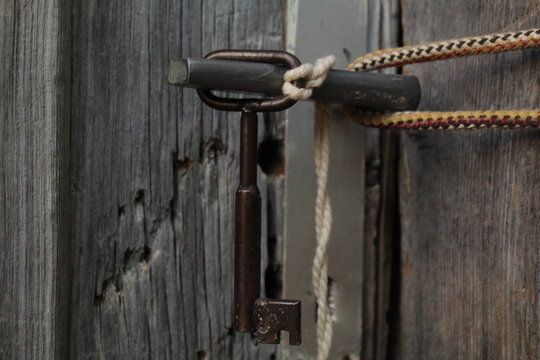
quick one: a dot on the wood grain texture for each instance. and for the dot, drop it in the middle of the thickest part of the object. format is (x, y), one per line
(34, 129)
(470, 199)
(153, 177)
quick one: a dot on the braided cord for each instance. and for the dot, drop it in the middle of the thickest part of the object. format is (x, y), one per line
(486, 44)
(505, 119)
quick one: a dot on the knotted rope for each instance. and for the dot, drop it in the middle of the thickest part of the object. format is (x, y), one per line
(315, 75)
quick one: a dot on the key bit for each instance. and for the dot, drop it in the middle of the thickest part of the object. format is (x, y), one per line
(274, 316)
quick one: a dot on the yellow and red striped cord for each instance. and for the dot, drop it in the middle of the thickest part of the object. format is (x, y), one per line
(486, 44)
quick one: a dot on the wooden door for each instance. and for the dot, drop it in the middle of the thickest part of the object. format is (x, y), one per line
(116, 189)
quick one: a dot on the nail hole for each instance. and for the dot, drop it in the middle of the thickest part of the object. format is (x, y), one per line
(271, 157)
(201, 355)
(332, 297)
(147, 252)
(347, 54)
(134, 256)
(273, 284)
(182, 164)
(331, 300)
(139, 196)
(211, 148)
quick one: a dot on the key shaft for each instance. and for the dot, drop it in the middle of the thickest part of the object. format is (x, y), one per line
(247, 256)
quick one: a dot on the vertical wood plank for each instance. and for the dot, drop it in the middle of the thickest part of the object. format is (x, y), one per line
(381, 202)
(154, 174)
(363, 191)
(34, 243)
(470, 199)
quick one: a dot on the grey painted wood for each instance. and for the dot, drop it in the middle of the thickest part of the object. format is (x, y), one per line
(365, 166)
(34, 130)
(470, 200)
(315, 35)
(153, 178)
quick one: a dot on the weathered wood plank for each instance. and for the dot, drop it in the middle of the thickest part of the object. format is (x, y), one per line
(153, 177)
(381, 202)
(470, 200)
(34, 154)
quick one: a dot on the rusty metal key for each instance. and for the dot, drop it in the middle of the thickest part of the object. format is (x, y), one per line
(265, 318)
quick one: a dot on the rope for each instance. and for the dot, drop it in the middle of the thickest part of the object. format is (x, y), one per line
(486, 44)
(510, 119)
(314, 75)
(323, 226)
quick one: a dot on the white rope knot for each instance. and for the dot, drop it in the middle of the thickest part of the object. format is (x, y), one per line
(314, 74)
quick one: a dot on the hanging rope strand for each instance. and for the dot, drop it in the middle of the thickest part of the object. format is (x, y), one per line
(323, 225)
(315, 76)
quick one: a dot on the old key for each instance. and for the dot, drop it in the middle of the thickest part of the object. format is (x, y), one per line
(262, 71)
(265, 318)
